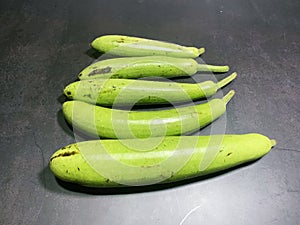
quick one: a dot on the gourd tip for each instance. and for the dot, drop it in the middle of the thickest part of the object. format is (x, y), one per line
(228, 96)
(227, 80)
(226, 68)
(201, 51)
(273, 142)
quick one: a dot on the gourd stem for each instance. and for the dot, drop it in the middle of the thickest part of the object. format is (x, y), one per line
(212, 68)
(201, 51)
(226, 80)
(273, 142)
(228, 96)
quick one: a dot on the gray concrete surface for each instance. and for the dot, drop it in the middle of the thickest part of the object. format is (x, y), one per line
(44, 44)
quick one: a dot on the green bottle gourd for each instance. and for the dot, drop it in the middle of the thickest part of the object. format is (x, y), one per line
(122, 92)
(121, 45)
(146, 66)
(114, 123)
(118, 163)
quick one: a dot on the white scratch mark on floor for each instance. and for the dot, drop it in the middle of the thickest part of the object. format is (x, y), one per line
(189, 213)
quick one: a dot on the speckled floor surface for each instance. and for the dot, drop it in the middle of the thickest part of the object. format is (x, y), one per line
(44, 44)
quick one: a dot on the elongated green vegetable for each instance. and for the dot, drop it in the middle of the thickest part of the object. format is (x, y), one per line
(146, 66)
(115, 92)
(134, 46)
(113, 123)
(113, 163)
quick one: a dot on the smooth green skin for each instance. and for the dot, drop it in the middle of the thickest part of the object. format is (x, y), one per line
(108, 92)
(79, 163)
(134, 46)
(114, 123)
(146, 66)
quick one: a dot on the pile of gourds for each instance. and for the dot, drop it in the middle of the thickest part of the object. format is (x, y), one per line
(143, 147)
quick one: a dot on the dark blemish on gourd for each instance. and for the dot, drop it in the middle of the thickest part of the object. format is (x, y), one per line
(122, 40)
(229, 154)
(80, 75)
(87, 95)
(78, 168)
(150, 166)
(65, 154)
(69, 93)
(100, 71)
(107, 180)
(163, 177)
(116, 76)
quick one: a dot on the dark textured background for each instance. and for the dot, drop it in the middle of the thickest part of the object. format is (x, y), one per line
(44, 45)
